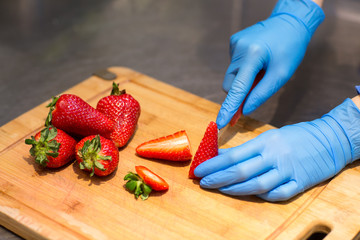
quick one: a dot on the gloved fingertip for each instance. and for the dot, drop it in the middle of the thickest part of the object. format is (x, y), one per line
(198, 172)
(204, 183)
(248, 109)
(222, 118)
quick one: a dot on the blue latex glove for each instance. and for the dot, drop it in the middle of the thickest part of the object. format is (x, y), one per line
(281, 163)
(276, 45)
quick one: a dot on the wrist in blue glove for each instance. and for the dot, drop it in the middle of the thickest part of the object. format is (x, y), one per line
(281, 163)
(276, 45)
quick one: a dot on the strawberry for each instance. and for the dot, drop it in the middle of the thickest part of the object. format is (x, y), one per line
(208, 148)
(238, 113)
(175, 147)
(52, 147)
(124, 110)
(144, 181)
(97, 155)
(75, 116)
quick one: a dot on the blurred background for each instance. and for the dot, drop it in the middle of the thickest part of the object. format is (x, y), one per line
(47, 47)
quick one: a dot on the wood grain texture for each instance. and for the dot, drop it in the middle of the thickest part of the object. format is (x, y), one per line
(37, 203)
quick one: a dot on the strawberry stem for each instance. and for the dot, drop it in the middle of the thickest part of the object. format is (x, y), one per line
(116, 91)
(89, 153)
(52, 107)
(45, 146)
(137, 185)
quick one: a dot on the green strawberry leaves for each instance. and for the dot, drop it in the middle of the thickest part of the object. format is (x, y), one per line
(45, 146)
(90, 153)
(52, 107)
(116, 91)
(136, 185)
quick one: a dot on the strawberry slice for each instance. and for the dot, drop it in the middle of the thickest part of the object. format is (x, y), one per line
(144, 181)
(239, 112)
(208, 148)
(175, 147)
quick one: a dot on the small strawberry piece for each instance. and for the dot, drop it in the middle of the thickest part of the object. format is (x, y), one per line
(75, 116)
(124, 110)
(239, 112)
(52, 147)
(175, 147)
(152, 179)
(144, 181)
(97, 155)
(208, 148)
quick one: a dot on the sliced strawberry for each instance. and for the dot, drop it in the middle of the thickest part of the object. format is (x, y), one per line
(144, 181)
(124, 110)
(239, 112)
(97, 155)
(152, 179)
(208, 148)
(175, 147)
(52, 147)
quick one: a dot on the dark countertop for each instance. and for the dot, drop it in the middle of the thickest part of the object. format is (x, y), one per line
(47, 47)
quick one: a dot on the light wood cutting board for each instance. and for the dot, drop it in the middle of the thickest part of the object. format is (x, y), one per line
(38, 203)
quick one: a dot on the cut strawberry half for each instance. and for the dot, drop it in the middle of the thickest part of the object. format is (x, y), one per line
(208, 148)
(175, 147)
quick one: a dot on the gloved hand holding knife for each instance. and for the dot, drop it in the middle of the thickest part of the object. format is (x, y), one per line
(281, 163)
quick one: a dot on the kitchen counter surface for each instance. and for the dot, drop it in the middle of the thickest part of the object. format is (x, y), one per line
(47, 47)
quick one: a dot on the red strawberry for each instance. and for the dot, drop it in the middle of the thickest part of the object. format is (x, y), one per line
(75, 116)
(97, 155)
(208, 148)
(175, 147)
(52, 147)
(124, 110)
(238, 113)
(144, 182)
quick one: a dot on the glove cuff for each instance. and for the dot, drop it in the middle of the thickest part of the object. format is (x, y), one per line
(347, 115)
(305, 11)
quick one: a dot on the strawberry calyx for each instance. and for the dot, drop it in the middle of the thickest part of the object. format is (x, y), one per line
(116, 91)
(52, 107)
(45, 146)
(137, 185)
(90, 154)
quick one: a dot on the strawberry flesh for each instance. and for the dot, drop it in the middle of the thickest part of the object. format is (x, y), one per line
(144, 181)
(175, 147)
(208, 148)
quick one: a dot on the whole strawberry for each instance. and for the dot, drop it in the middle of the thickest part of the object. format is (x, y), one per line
(97, 155)
(75, 116)
(52, 147)
(208, 148)
(124, 110)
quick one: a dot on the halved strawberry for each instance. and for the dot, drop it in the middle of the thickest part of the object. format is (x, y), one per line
(239, 112)
(144, 181)
(208, 148)
(174, 147)
(52, 147)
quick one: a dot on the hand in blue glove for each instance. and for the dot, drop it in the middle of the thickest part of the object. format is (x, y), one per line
(281, 163)
(276, 45)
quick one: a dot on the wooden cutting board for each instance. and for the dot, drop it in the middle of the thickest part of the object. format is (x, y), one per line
(62, 204)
